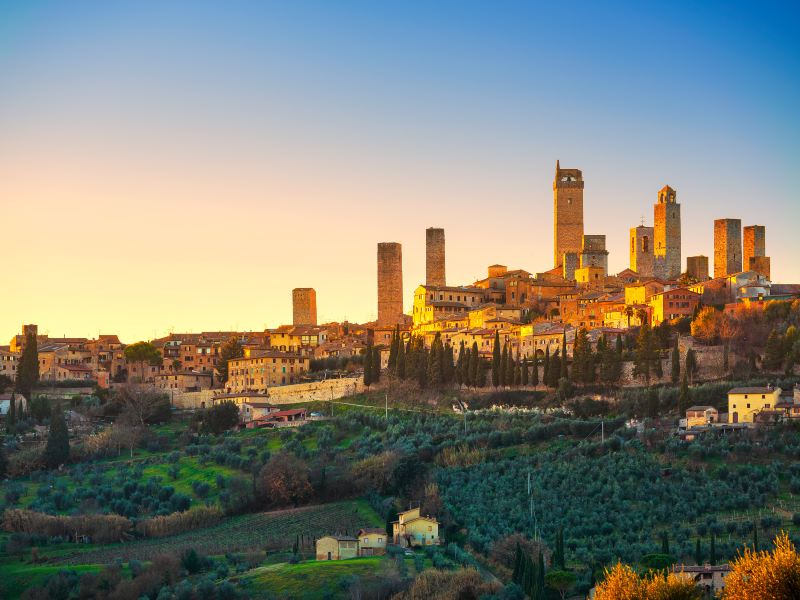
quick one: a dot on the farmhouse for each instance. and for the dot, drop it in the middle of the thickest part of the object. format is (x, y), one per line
(700, 416)
(412, 529)
(745, 402)
(710, 578)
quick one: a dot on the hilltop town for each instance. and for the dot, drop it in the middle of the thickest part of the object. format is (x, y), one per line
(516, 436)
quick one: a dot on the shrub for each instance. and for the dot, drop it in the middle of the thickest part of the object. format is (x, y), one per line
(100, 528)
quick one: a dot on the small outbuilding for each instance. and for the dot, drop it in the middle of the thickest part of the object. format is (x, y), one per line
(337, 547)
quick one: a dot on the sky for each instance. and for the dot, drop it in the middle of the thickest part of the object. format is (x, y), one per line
(181, 166)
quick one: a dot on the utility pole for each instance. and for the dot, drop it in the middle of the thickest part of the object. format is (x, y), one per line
(386, 396)
(602, 431)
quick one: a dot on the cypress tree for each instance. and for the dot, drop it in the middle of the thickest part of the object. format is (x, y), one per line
(401, 360)
(475, 366)
(421, 362)
(675, 371)
(516, 575)
(555, 369)
(690, 366)
(496, 360)
(448, 370)
(524, 378)
(712, 551)
(684, 396)
(459, 369)
(368, 365)
(558, 555)
(11, 417)
(665, 543)
(435, 358)
(535, 371)
(698, 553)
(376, 365)
(3, 459)
(773, 352)
(540, 577)
(56, 452)
(482, 368)
(504, 365)
(755, 536)
(517, 374)
(529, 578)
(546, 373)
(28, 369)
(393, 349)
(564, 370)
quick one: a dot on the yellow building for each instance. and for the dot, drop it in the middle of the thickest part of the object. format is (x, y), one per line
(412, 529)
(432, 302)
(337, 547)
(639, 293)
(593, 277)
(745, 402)
(261, 370)
(371, 542)
(700, 416)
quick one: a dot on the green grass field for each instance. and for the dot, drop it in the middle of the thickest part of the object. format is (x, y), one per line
(314, 580)
(18, 576)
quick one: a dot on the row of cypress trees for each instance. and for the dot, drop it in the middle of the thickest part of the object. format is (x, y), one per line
(529, 575)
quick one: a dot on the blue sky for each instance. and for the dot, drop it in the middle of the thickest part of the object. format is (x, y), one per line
(276, 143)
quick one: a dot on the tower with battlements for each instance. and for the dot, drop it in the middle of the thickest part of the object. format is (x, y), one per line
(434, 256)
(567, 213)
(390, 283)
(667, 234)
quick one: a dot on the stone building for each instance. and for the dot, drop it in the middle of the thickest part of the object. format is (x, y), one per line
(594, 253)
(304, 306)
(667, 234)
(567, 213)
(641, 255)
(571, 262)
(264, 369)
(754, 255)
(697, 267)
(390, 283)
(727, 247)
(434, 256)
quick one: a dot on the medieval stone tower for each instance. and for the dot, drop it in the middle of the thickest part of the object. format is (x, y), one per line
(641, 254)
(727, 247)
(434, 256)
(567, 213)
(667, 234)
(304, 306)
(754, 255)
(697, 267)
(390, 283)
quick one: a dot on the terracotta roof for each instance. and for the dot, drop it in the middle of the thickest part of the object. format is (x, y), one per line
(752, 390)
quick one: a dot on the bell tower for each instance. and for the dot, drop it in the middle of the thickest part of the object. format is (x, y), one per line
(567, 213)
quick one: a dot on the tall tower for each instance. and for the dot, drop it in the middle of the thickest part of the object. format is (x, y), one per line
(434, 256)
(390, 283)
(304, 306)
(667, 234)
(754, 243)
(697, 267)
(642, 250)
(567, 213)
(727, 247)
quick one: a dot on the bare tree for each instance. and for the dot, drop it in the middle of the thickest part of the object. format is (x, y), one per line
(141, 403)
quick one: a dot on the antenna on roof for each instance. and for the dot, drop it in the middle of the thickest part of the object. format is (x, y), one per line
(642, 221)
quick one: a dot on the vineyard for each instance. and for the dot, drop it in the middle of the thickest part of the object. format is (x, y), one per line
(276, 530)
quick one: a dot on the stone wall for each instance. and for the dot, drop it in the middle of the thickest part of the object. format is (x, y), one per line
(282, 394)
